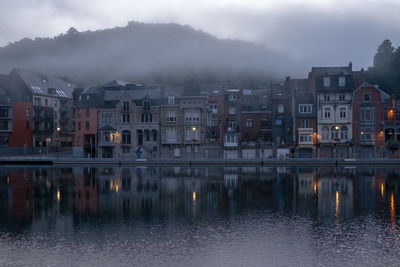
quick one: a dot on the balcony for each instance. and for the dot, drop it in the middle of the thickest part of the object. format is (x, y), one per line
(170, 140)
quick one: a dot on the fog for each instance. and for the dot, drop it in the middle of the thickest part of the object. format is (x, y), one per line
(300, 33)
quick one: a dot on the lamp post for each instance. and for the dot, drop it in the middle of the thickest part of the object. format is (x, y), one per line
(58, 141)
(193, 138)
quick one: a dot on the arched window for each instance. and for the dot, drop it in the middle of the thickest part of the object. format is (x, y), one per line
(344, 132)
(325, 133)
(139, 134)
(334, 132)
(147, 134)
(126, 137)
(154, 135)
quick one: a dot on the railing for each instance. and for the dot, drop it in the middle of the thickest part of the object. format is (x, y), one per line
(367, 142)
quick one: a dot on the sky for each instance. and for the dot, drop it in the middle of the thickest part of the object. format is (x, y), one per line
(316, 32)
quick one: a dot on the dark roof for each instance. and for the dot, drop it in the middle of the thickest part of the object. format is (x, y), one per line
(39, 83)
(331, 70)
(299, 84)
(303, 97)
(13, 90)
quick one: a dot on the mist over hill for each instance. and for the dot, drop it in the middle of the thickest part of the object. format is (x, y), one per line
(152, 53)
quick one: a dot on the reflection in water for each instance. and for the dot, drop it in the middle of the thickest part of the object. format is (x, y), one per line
(250, 214)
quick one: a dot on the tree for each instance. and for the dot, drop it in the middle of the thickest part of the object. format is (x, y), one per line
(392, 145)
(384, 56)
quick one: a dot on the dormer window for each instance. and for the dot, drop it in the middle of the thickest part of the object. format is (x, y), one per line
(366, 97)
(146, 105)
(327, 82)
(171, 100)
(342, 81)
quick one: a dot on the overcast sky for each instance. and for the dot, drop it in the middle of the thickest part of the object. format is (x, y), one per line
(318, 32)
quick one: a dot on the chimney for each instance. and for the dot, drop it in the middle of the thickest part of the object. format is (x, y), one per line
(351, 66)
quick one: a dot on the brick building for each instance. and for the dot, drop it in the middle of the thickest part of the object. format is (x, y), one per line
(369, 106)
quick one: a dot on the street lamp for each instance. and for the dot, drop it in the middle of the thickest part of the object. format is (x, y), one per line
(193, 138)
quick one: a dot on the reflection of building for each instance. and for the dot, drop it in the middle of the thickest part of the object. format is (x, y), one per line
(335, 194)
(21, 195)
(85, 191)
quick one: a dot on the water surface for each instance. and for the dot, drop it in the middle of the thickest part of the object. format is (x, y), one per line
(178, 216)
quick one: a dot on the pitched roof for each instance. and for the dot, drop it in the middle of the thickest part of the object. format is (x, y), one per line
(331, 70)
(39, 83)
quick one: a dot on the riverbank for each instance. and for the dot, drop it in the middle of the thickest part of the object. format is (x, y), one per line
(199, 162)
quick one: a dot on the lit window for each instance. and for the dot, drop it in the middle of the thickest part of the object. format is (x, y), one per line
(281, 108)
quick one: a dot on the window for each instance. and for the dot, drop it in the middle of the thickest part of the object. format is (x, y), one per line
(327, 81)
(171, 116)
(231, 138)
(368, 134)
(281, 108)
(325, 133)
(342, 81)
(79, 140)
(366, 97)
(79, 112)
(126, 149)
(192, 133)
(46, 102)
(305, 123)
(342, 97)
(232, 124)
(87, 112)
(38, 101)
(305, 108)
(305, 138)
(171, 100)
(327, 113)
(344, 132)
(214, 107)
(28, 125)
(326, 97)
(55, 103)
(87, 126)
(154, 134)
(367, 115)
(342, 113)
(214, 120)
(232, 97)
(79, 125)
(192, 116)
(147, 117)
(146, 105)
(232, 110)
(106, 117)
(126, 106)
(126, 137)
(249, 123)
(27, 112)
(171, 133)
(334, 132)
(125, 117)
(278, 122)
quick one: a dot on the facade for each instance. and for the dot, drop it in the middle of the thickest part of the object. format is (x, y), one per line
(305, 122)
(334, 93)
(369, 106)
(85, 121)
(256, 124)
(46, 93)
(230, 119)
(5, 118)
(282, 113)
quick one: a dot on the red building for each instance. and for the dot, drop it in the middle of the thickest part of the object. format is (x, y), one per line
(369, 107)
(22, 134)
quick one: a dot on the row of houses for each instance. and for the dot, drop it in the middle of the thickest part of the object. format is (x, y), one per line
(331, 113)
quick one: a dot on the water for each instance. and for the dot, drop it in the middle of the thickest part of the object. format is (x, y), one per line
(182, 216)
